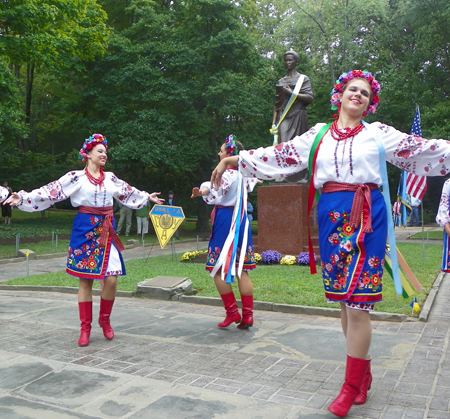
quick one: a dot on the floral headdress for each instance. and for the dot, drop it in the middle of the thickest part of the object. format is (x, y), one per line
(90, 143)
(230, 144)
(344, 78)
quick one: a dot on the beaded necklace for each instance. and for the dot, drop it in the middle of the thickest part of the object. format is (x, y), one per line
(94, 180)
(338, 135)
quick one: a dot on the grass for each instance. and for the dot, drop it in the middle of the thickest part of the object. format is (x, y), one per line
(275, 283)
(432, 235)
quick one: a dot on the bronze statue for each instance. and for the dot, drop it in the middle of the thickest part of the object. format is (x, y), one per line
(295, 122)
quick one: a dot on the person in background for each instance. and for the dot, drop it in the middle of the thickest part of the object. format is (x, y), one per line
(174, 203)
(7, 209)
(352, 215)
(249, 211)
(142, 220)
(415, 205)
(443, 220)
(396, 211)
(125, 215)
(94, 248)
(224, 197)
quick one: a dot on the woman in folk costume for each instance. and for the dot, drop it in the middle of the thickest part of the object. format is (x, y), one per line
(226, 197)
(94, 249)
(352, 213)
(443, 219)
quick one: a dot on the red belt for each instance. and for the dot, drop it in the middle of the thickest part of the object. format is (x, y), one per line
(362, 195)
(107, 227)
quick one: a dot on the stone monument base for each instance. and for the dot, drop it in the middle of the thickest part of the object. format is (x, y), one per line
(282, 219)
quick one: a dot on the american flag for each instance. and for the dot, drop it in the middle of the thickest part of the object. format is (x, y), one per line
(416, 186)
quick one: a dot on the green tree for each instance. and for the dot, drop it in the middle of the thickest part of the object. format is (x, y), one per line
(53, 34)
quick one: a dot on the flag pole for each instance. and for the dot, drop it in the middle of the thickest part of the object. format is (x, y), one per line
(423, 232)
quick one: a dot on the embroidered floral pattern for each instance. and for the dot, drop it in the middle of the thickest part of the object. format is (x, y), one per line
(335, 272)
(88, 257)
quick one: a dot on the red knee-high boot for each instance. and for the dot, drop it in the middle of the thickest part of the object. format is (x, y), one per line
(231, 308)
(85, 310)
(361, 398)
(247, 312)
(354, 375)
(103, 320)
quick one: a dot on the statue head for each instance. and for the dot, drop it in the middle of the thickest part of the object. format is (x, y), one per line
(294, 54)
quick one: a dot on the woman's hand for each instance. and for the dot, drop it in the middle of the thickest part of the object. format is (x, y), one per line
(154, 198)
(196, 192)
(216, 176)
(13, 200)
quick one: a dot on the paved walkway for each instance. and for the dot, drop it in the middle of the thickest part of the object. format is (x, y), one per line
(170, 361)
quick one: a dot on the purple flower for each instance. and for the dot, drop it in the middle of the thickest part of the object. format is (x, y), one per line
(303, 258)
(270, 257)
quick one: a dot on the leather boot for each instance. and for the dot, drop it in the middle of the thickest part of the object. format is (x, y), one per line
(231, 308)
(354, 375)
(103, 320)
(85, 310)
(361, 398)
(247, 312)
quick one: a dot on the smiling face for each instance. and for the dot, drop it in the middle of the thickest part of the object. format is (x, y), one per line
(356, 97)
(98, 155)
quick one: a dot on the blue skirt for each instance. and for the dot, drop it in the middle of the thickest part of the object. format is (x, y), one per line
(221, 228)
(85, 259)
(352, 261)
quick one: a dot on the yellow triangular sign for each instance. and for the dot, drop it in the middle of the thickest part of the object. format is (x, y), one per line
(166, 219)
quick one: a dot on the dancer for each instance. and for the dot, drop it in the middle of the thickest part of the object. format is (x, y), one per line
(352, 215)
(94, 249)
(443, 220)
(224, 198)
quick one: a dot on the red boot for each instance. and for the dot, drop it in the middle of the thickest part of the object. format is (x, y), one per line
(103, 320)
(247, 312)
(231, 308)
(361, 398)
(354, 375)
(85, 310)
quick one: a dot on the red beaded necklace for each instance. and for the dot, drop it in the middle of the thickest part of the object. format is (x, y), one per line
(94, 180)
(338, 135)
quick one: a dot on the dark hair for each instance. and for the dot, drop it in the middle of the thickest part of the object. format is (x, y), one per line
(294, 54)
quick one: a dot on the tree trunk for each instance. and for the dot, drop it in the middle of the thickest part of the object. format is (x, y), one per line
(30, 78)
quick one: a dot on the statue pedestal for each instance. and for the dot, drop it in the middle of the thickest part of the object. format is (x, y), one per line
(282, 219)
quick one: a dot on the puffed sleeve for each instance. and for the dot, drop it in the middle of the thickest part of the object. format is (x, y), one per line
(56, 191)
(415, 154)
(443, 216)
(128, 195)
(220, 196)
(3, 193)
(278, 161)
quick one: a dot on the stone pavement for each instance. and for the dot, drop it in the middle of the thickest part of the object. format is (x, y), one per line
(170, 360)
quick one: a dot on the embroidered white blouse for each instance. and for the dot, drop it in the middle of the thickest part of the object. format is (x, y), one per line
(227, 193)
(351, 161)
(3, 193)
(443, 215)
(81, 191)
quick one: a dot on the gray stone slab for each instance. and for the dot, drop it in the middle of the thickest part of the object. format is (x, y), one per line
(18, 408)
(163, 281)
(164, 287)
(23, 253)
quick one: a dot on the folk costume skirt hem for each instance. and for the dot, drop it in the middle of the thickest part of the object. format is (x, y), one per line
(352, 261)
(221, 228)
(446, 254)
(85, 258)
